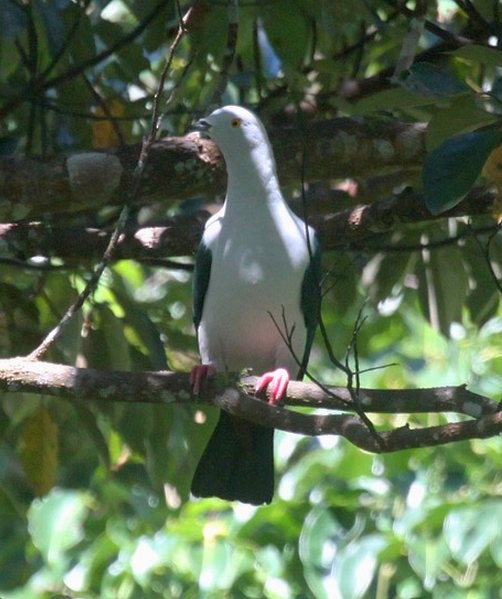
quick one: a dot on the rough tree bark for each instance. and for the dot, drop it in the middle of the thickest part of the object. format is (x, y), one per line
(179, 235)
(234, 394)
(184, 167)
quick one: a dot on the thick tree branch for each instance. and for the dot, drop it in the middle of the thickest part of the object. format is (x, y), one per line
(178, 236)
(21, 375)
(186, 167)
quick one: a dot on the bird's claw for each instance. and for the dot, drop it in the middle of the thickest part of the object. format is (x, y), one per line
(277, 382)
(200, 373)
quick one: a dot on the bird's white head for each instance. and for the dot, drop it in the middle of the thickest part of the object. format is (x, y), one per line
(234, 129)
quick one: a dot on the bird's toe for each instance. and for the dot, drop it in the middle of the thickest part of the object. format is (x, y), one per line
(276, 381)
(198, 374)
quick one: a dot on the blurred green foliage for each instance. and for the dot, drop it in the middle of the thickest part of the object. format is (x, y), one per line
(117, 522)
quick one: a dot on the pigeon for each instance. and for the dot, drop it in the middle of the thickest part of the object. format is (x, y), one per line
(256, 301)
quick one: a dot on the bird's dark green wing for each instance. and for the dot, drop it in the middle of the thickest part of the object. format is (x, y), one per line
(201, 275)
(310, 301)
(238, 462)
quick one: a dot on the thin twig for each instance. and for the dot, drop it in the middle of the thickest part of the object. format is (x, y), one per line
(91, 285)
(286, 335)
(32, 69)
(228, 58)
(34, 266)
(490, 230)
(475, 16)
(259, 79)
(410, 42)
(355, 391)
(42, 84)
(106, 110)
(65, 44)
(327, 342)
(485, 251)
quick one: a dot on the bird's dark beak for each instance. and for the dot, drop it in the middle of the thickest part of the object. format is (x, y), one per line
(203, 127)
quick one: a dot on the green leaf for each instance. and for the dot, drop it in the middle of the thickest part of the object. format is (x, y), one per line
(320, 527)
(53, 23)
(483, 54)
(40, 450)
(452, 168)
(8, 145)
(483, 299)
(116, 343)
(355, 566)
(385, 272)
(288, 32)
(442, 287)
(426, 79)
(317, 548)
(468, 532)
(12, 20)
(83, 43)
(453, 116)
(221, 563)
(138, 319)
(394, 98)
(55, 523)
(427, 557)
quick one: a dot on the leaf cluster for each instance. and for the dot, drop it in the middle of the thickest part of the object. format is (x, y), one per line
(94, 498)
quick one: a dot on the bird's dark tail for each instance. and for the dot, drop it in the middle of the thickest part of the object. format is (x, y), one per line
(238, 462)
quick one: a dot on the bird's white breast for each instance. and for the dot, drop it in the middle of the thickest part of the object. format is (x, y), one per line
(256, 277)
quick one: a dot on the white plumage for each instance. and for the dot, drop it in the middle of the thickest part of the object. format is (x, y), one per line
(254, 272)
(259, 259)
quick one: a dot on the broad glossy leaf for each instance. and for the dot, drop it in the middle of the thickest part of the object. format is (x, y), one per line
(221, 563)
(396, 98)
(452, 168)
(320, 527)
(146, 335)
(149, 555)
(155, 34)
(341, 286)
(20, 319)
(117, 347)
(83, 43)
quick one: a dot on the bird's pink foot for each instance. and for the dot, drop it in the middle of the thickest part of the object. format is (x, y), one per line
(277, 383)
(200, 373)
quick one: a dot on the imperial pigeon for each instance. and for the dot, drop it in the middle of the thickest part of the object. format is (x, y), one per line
(256, 276)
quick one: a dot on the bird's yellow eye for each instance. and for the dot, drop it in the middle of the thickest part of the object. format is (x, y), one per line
(236, 122)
